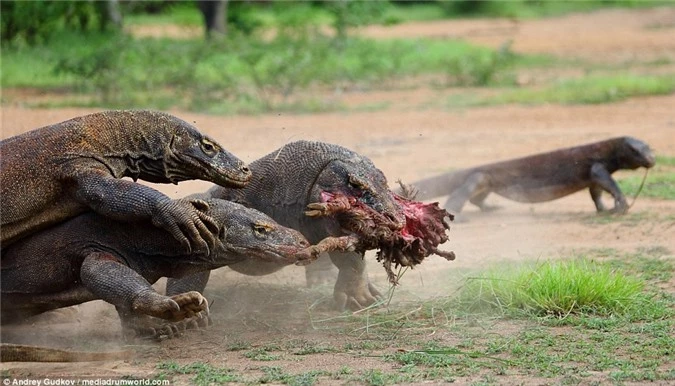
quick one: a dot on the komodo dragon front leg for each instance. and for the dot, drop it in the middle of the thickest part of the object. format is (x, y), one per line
(93, 186)
(601, 179)
(111, 280)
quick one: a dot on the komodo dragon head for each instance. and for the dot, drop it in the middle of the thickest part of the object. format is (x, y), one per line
(159, 147)
(353, 175)
(192, 155)
(634, 154)
(248, 233)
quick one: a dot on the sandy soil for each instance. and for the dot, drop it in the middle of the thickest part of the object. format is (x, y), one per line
(408, 144)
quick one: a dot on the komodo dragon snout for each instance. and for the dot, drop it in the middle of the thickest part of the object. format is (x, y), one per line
(358, 177)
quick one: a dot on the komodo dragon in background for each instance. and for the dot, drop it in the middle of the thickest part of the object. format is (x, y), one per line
(91, 257)
(54, 173)
(285, 182)
(544, 176)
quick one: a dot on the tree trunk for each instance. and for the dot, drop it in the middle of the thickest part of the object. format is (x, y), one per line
(215, 16)
(114, 14)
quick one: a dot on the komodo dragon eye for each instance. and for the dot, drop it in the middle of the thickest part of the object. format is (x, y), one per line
(208, 147)
(356, 183)
(261, 229)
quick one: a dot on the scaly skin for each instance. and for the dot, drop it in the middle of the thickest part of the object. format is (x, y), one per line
(91, 257)
(544, 177)
(286, 181)
(54, 173)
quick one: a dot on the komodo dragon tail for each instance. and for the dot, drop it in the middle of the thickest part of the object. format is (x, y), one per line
(23, 353)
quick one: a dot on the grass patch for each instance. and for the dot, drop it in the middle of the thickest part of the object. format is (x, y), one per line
(262, 354)
(660, 181)
(524, 9)
(590, 90)
(557, 289)
(204, 374)
(654, 265)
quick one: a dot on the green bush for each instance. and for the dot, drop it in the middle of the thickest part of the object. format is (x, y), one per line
(258, 73)
(36, 21)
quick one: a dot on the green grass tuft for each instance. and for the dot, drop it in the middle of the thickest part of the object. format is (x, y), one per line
(555, 288)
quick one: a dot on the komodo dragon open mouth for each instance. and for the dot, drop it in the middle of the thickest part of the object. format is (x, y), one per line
(423, 233)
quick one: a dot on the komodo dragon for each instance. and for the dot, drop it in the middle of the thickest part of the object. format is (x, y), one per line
(91, 257)
(544, 176)
(285, 182)
(53, 173)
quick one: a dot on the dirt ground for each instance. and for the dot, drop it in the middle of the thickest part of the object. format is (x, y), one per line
(406, 143)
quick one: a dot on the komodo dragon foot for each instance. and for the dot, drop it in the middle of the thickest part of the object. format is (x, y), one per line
(353, 289)
(155, 316)
(174, 308)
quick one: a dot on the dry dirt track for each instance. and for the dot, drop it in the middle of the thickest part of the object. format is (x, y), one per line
(408, 144)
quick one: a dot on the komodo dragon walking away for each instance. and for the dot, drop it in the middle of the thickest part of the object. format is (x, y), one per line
(91, 257)
(51, 174)
(302, 185)
(544, 176)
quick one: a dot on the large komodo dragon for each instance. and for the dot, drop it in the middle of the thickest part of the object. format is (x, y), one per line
(285, 182)
(90, 257)
(544, 176)
(56, 172)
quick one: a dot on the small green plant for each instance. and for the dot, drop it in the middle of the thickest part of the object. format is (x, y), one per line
(275, 374)
(261, 354)
(479, 68)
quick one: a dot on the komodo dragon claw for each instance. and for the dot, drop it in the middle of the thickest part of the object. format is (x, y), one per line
(146, 327)
(171, 215)
(329, 244)
(174, 308)
(318, 209)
